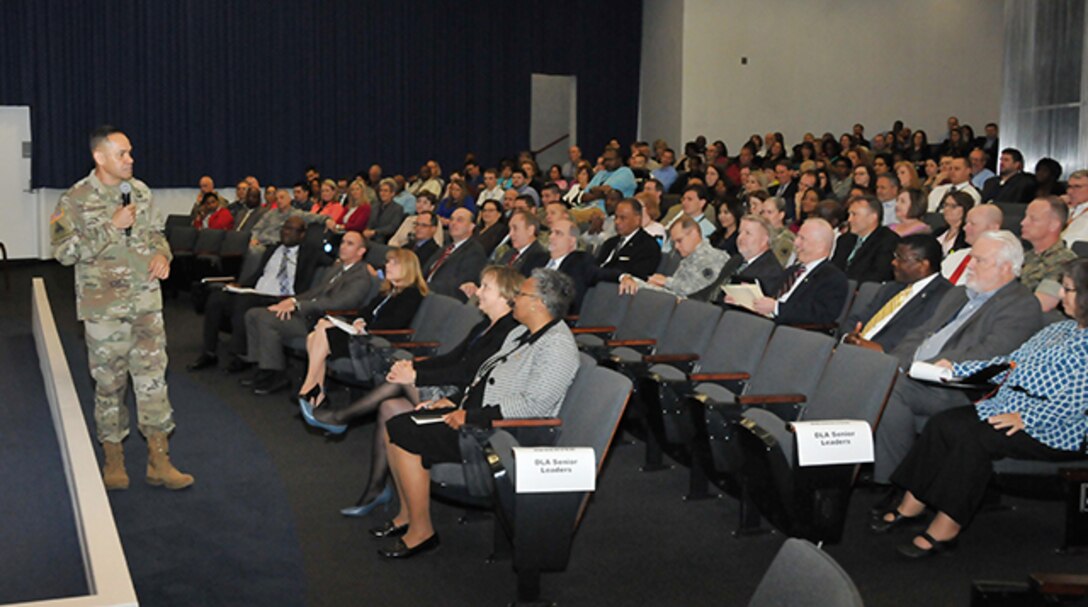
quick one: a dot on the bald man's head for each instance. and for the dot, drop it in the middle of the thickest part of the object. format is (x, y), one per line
(814, 240)
(982, 218)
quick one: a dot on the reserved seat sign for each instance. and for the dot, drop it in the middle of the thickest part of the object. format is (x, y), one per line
(554, 469)
(833, 441)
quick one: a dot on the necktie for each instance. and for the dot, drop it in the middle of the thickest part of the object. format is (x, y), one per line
(960, 269)
(792, 274)
(282, 278)
(441, 260)
(553, 264)
(857, 245)
(513, 258)
(245, 218)
(888, 309)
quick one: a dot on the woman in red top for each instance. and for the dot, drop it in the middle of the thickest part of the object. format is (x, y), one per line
(327, 204)
(358, 212)
(211, 215)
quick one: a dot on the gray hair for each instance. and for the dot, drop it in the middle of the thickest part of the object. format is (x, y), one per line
(1079, 174)
(762, 223)
(1011, 251)
(556, 290)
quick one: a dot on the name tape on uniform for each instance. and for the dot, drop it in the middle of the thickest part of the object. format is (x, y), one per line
(838, 441)
(555, 469)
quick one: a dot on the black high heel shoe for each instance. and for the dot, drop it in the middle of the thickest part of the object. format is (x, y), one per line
(313, 394)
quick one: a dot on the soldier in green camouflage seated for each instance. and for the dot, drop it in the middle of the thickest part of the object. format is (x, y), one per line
(120, 255)
(1042, 226)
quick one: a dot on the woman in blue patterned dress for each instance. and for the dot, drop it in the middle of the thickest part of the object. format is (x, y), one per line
(1040, 412)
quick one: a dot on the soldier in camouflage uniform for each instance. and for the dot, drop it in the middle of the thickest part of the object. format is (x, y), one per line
(120, 255)
(1042, 226)
(700, 263)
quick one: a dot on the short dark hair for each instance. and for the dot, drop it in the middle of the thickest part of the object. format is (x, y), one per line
(494, 172)
(1058, 208)
(700, 191)
(429, 196)
(657, 183)
(783, 162)
(925, 247)
(874, 205)
(519, 171)
(529, 200)
(531, 219)
(635, 205)
(552, 187)
(101, 133)
(431, 223)
(1016, 155)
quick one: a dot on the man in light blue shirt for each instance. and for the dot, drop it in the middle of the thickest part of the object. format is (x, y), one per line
(667, 173)
(403, 197)
(615, 176)
(979, 172)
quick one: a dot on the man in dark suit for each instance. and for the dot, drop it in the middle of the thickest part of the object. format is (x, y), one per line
(992, 317)
(787, 187)
(345, 286)
(1011, 184)
(755, 262)
(247, 216)
(631, 251)
(813, 290)
(423, 244)
(865, 254)
(525, 252)
(565, 257)
(905, 304)
(459, 262)
(284, 270)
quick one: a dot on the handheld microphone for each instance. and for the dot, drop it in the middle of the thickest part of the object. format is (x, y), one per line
(126, 199)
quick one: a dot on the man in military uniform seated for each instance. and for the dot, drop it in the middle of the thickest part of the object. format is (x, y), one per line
(1042, 226)
(700, 263)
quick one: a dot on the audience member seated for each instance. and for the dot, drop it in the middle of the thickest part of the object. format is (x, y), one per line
(910, 208)
(787, 187)
(954, 209)
(285, 269)
(729, 214)
(490, 189)
(978, 159)
(693, 203)
(754, 262)
(401, 294)
(520, 183)
(239, 198)
(632, 250)
(212, 216)
(774, 211)
(613, 176)
(523, 251)
(408, 384)
(357, 216)
(813, 290)
(865, 253)
(527, 377)
(700, 263)
(991, 317)
(460, 261)
(1077, 199)
(344, 287)
(425, 182)
(579, 187)
(666, 175)
(403, 197)
(902, 306)
(651, 211)
(1042, 227)
(406, 232)
(491, 229)
(1012, 184)
(457, 198)
(328, 204)
(1037, 413)
(248, 216)
(981, 218)
(268, 229)
(205, 186)
(959, 180)
(387, 216)
(565, 257)
(423, 243)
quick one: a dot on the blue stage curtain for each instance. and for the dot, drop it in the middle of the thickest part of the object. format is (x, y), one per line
(265, 87)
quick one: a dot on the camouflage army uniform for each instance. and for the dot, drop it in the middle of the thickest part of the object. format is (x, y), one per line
(1042, 272)
(782, 245)
(695, 272)
(120, 305)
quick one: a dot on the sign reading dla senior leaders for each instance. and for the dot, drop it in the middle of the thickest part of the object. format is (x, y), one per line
(555, 469)
(829, 442)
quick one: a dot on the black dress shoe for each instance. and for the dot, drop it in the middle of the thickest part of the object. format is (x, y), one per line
(400, 551)
(389, 529)
(258, 378)
(203, 361)
(278, 381)
(882, 526)
(913, 552)
(237, 365)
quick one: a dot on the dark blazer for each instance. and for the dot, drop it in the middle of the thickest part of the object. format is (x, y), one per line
(462, 266)
(1000, 326)
(788, 194)
(873, 261)
(764, 269)
(384, 220)
(306, 267)
(914, 314)
(337, 290)
(425, 251)
(458, 366)
(639, 257)
(583, 270)
(397, 313)
(1020, 187)
(535, 256)
(490, 238)
(818, 299)
(961, 238)
(250, 220)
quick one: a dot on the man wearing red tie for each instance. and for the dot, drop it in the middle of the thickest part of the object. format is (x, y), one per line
(459, 262)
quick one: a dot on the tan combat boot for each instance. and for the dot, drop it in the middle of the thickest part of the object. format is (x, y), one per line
(113, 473)
(159, 469)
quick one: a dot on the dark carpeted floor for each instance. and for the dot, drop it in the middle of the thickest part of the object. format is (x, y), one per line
(639, 543)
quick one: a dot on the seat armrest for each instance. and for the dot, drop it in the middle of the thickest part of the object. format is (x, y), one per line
(1060, 584)
(419, 359)
(739, 376)
(670, 358)
(412, 345)
(527, 422)
(391, 332)
(828, 327)
(770, 399)
(630, 343)
(592, 330)
(344, 313)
